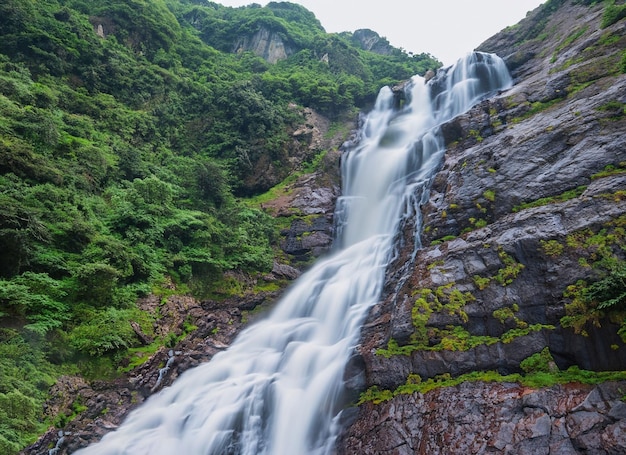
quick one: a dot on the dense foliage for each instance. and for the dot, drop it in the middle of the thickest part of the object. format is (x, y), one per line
(127, 130)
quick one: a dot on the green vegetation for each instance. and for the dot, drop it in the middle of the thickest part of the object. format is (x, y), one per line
(130, 138)
(602, 296)
(449, 300)
(534, 379)
(609, 170)
(552, 248)
(539, 370)
(567, 41)
(566, 196)
(616, 108)
(612, 13)
(490, 195)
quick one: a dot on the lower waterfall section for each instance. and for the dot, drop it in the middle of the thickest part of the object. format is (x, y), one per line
(278, 389)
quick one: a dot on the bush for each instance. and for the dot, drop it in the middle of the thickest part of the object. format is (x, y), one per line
(539, 362)
(105, 332)
(612, 14)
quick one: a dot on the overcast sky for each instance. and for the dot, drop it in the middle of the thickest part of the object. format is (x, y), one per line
(447, 29)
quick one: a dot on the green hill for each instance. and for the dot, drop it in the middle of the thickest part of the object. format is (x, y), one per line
(127, 132)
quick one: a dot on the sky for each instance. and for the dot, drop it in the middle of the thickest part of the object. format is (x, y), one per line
(447, 29)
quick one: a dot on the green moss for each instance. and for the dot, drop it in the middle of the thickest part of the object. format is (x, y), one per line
(552, 247)
(612, 14)
(476, 135)
(610, 170)
(512, 334)
(508, 313)
(450, 300)
(434, 264)
(539, 106)
(567, 41)
(481, 282)
(598, 68)
(535, 379)
(477, 223)
(490, 195)
(479, 205)
(566, 196)
(443, 239)
(589, 303)
(511, 269)
(608, 39)
(615, 107)
(538, 362)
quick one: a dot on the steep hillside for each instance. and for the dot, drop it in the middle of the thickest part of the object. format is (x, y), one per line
(491, 341)
(132, 142)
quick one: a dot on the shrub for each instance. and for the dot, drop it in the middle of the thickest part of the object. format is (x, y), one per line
(612, 14)
(539, 362)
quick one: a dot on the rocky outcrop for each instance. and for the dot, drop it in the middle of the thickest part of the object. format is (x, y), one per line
(369, 40)
(265, 43)
(529, 199)
(307, 204)
(478, 418)
(86, 411)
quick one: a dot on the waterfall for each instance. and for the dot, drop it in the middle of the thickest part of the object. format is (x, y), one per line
(278, 389)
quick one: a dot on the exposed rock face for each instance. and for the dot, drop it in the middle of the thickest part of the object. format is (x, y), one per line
(309, 202)
(494, 418)
(369, 40)
(266, 44)
(507, 228)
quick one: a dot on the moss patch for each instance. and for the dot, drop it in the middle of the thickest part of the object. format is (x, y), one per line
(536, 379)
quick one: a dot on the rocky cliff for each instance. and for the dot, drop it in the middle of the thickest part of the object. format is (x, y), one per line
(265, 43)
(526, 213)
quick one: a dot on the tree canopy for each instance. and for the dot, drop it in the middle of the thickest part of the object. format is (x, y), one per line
(127, 131)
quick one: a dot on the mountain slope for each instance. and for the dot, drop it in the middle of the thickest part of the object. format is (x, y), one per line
(129, 150)
(519, 288)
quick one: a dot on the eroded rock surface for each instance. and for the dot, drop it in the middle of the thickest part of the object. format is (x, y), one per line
(532, 184)
(478, 418)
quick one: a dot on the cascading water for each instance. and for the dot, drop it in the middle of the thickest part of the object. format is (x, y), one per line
(278, 389)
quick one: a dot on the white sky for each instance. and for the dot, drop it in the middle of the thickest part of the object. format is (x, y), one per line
(447, 29)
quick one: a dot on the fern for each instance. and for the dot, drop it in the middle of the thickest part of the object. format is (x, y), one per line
(610, 291)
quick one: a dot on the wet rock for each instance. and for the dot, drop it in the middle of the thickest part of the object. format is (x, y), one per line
(546, 142)
(482, 417)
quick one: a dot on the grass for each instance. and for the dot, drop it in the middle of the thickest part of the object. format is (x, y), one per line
(282, 189)
(537, 379)
(566, 196)
(610, 170)
(567, 41)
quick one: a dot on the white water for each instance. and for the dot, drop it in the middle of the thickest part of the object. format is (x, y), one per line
(278, 389)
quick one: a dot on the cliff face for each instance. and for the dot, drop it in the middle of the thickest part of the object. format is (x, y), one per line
(527, 211)
(266, 44)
